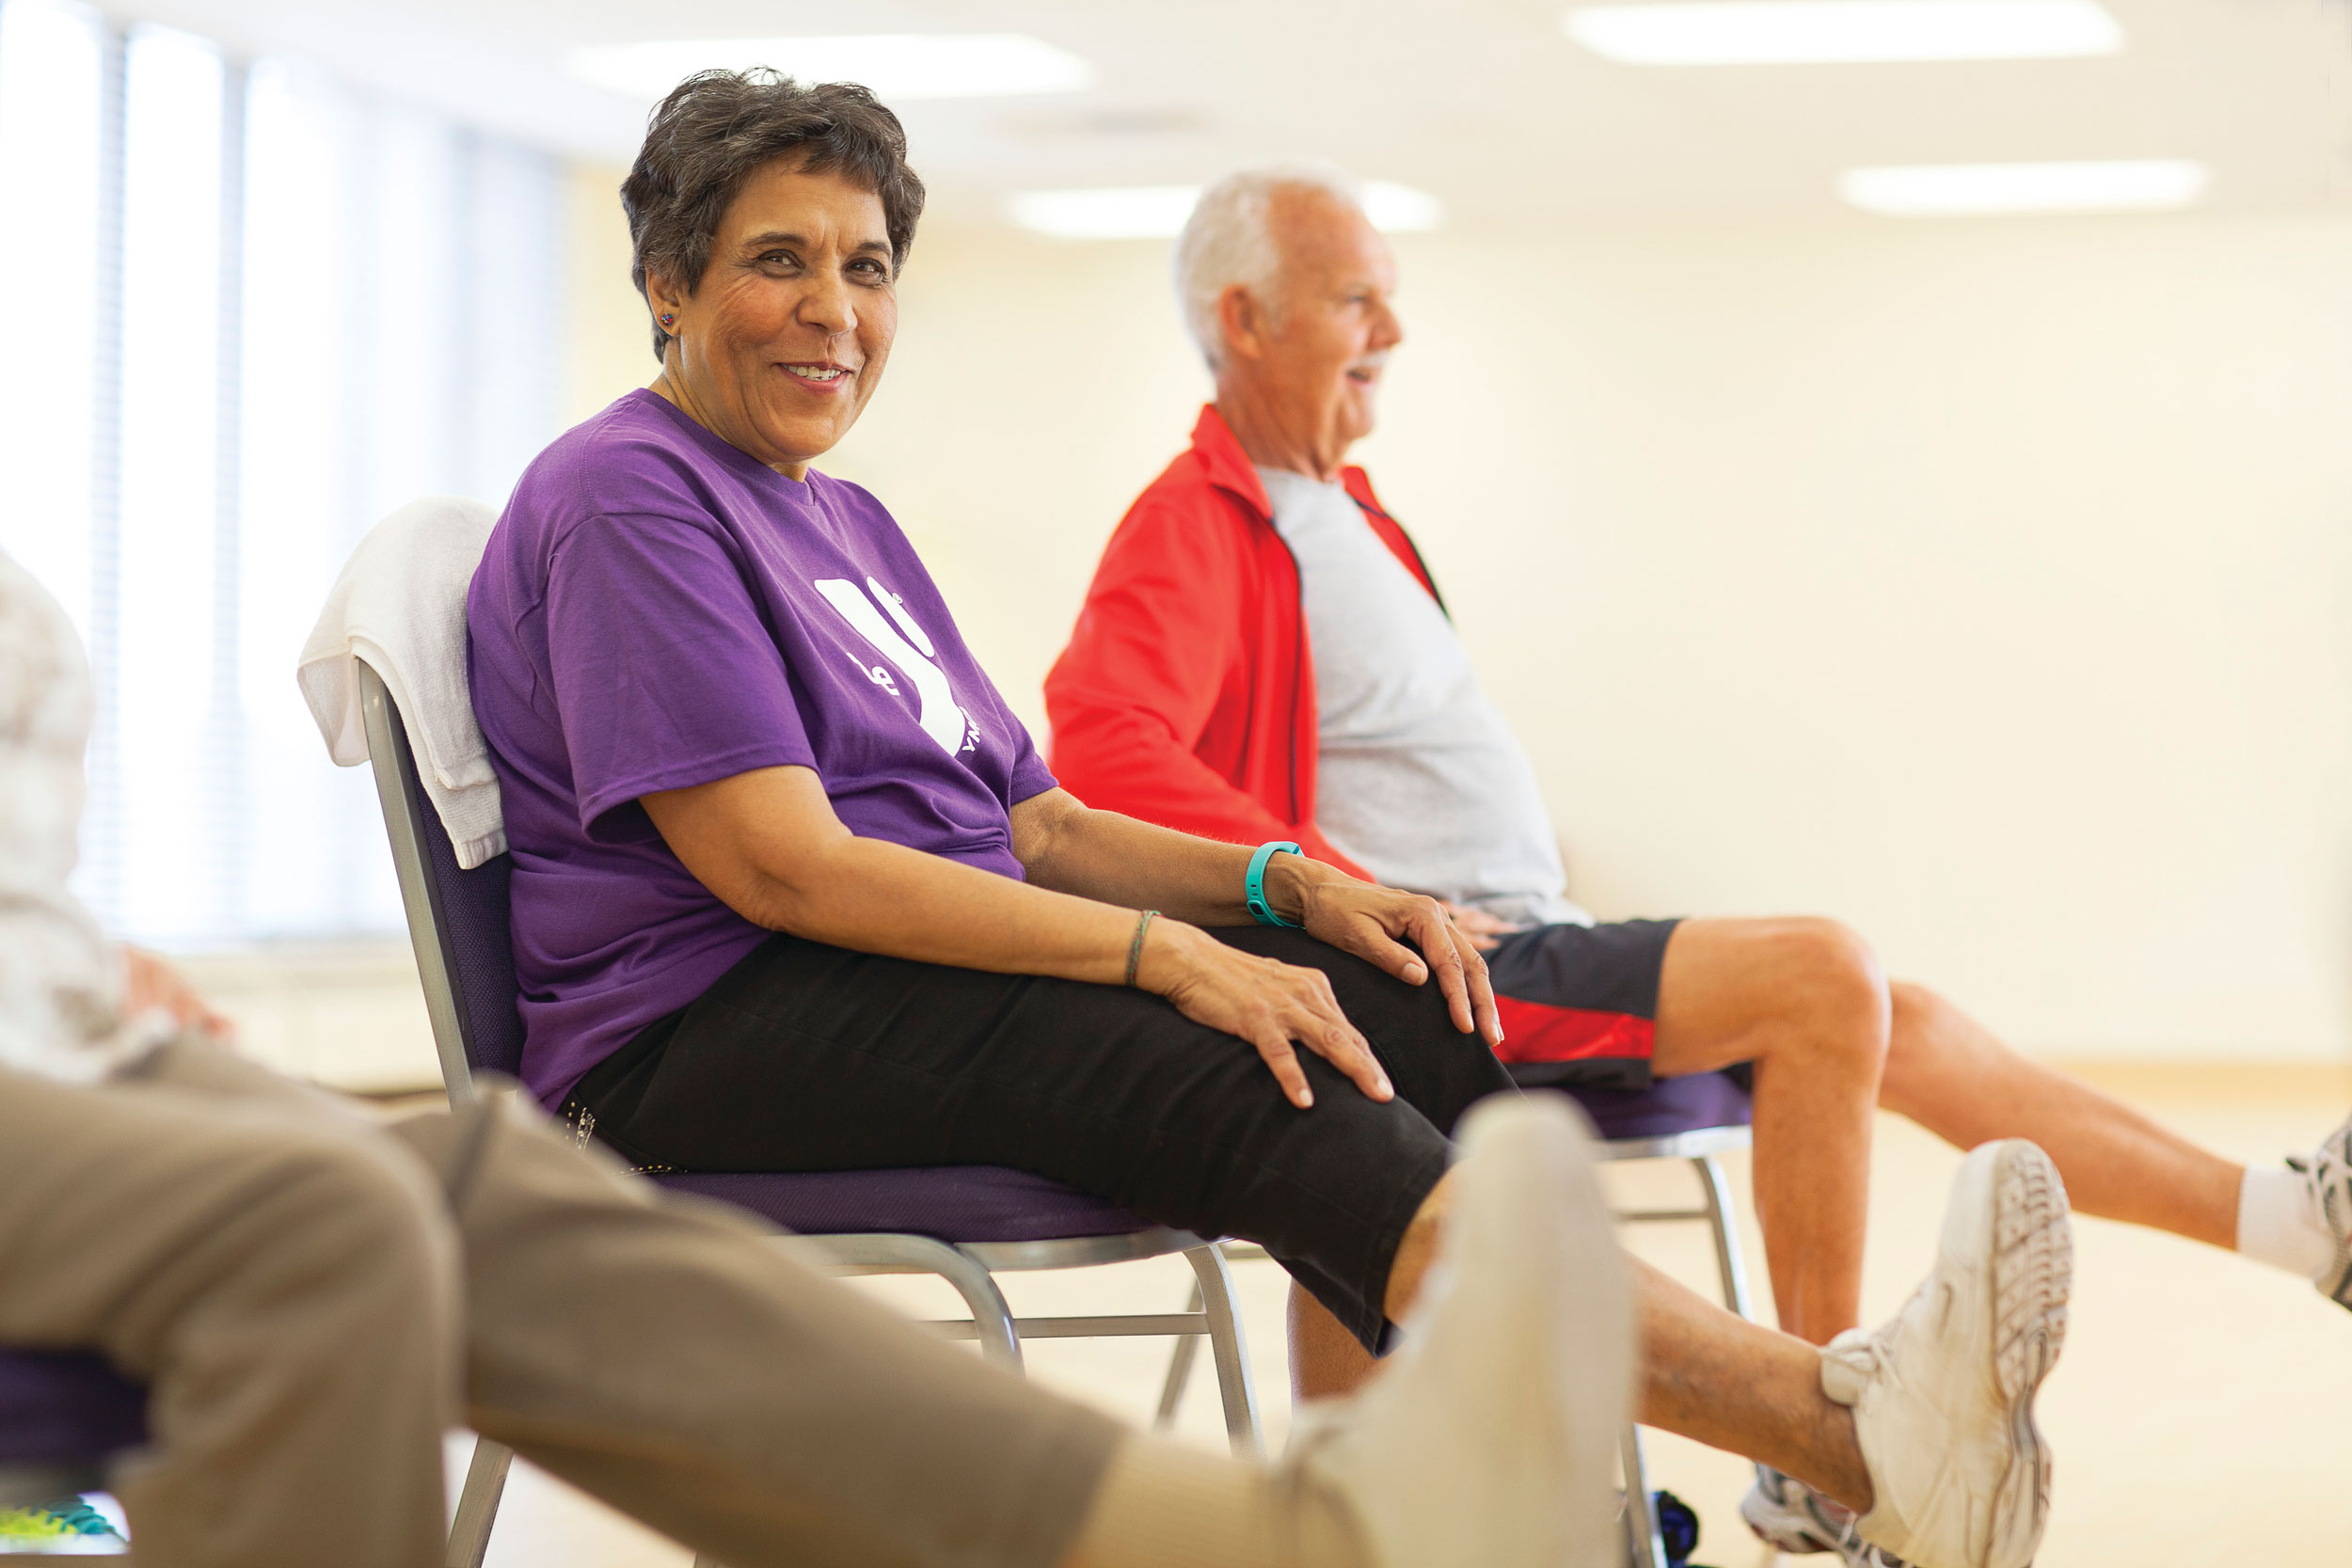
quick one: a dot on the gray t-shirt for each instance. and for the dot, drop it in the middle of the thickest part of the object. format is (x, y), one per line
(1420, 781)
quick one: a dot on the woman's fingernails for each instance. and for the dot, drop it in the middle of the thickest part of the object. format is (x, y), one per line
(1306, 1098)
(1415, 974)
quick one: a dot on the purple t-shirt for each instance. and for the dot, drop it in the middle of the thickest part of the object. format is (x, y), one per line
(657, 610)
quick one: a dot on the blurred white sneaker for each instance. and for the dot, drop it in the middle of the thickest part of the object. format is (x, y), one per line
(2327, 1174)
(1790, 1516)
(1490, 1437)
(1943, 1395)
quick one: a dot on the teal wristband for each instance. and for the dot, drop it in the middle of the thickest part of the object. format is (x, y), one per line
(1254, 887)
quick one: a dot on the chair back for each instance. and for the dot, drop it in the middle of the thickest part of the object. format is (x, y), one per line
(458, 920)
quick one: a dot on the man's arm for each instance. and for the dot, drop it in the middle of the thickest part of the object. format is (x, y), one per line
(1131, 695)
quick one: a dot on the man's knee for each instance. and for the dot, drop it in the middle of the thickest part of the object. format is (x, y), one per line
(1832, 984)
(1918, 1011)
(1926, 1040)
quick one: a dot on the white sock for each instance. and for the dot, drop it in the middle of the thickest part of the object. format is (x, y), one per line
(2279, 1225)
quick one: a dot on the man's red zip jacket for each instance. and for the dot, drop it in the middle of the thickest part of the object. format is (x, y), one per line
(1186, 696)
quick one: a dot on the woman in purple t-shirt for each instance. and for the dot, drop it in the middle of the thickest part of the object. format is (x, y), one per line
(793, 891)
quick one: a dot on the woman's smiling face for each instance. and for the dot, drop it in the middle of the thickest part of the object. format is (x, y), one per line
(780, 346)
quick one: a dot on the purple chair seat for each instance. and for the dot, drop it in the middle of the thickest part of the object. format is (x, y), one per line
(1668, 1106)
(65, 1407)
(990, 1203)
(949, 1203)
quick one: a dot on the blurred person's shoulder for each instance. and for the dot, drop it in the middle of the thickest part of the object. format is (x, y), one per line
(41, 656)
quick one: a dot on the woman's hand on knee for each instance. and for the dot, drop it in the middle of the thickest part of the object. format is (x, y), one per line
(1375, 922)
(1275, 1006)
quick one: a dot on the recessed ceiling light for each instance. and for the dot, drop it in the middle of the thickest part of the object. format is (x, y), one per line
(1808, 32)
(1110, 213)
(894, 65)
(1946, 190)
(1158, 211)
(1396, 209)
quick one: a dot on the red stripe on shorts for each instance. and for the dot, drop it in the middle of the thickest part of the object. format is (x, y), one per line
(1535, 1032)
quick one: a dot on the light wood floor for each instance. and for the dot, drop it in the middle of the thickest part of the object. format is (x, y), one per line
(2199, 1416)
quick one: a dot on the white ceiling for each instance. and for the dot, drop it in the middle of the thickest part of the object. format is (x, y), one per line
(1484, 103)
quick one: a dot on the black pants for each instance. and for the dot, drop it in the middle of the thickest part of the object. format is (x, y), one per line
(806, 1056)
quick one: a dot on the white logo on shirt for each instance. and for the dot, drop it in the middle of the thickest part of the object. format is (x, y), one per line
(941, 719)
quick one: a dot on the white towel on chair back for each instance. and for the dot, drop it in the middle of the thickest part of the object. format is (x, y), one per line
(400, 605)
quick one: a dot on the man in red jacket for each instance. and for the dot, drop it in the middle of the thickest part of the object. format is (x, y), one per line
(1262, 656)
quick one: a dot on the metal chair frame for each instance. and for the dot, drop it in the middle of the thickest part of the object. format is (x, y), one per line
(1646, 1544)
(968, 1267)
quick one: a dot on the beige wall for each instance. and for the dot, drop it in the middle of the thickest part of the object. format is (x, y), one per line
(1984, 584)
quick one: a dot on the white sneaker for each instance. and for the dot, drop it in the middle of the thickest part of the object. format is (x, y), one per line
(1488, 1439)
(2327, 1172)
(1943, 1395)
(1790, 1516)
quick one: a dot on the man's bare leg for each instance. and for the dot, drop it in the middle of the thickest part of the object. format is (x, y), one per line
(1803, 1000)
(1952, 1076)
(1718, 1379)
(1325, 1359)
(1705, 1373)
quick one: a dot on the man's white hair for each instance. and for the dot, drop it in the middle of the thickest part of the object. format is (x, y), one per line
(1229, 240)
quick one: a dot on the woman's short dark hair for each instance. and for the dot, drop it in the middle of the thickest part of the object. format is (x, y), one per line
(718, 126)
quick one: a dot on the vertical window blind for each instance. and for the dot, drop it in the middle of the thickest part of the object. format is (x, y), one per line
(260, 309)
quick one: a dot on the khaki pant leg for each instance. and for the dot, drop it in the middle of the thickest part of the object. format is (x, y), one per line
(281, 1275)
(664, 1355)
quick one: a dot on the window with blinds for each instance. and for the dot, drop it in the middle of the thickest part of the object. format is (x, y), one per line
(256, 310)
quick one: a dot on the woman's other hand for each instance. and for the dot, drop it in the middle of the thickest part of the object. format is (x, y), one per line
(1375, 922)
(1273, 1005)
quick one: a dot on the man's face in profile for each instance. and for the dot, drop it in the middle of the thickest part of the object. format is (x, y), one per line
(1332, 325)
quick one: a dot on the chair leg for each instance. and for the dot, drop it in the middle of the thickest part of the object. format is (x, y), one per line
(1645, 1547)
(1234, 1380)
(992, 1314)
(896, 1252)
(1179, 1368)
(478, 1504)
(1729, 1267)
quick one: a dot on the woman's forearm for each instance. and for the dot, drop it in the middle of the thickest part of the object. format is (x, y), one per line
(876, 897)
(1102, 855)
(769, 845)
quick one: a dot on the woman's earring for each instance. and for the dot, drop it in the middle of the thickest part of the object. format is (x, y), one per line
(666, 320)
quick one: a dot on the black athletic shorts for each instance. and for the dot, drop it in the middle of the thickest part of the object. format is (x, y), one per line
(1580, 1003)
(806, 1056)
